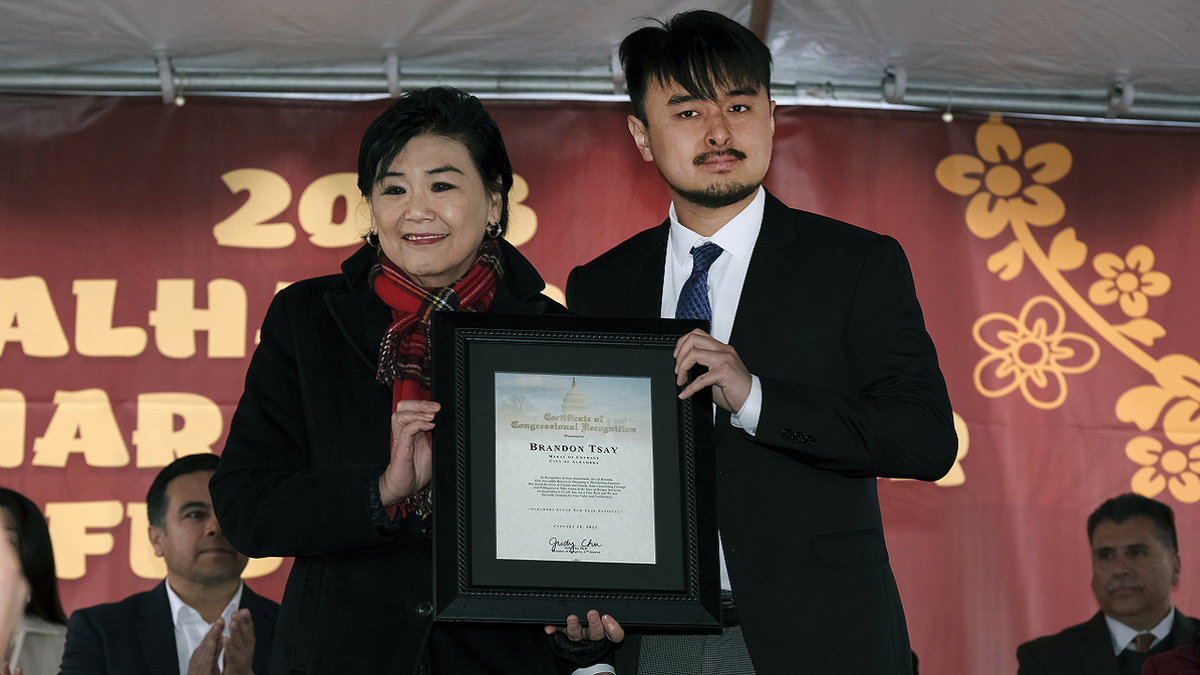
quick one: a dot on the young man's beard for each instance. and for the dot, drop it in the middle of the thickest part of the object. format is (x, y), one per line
(716, 196)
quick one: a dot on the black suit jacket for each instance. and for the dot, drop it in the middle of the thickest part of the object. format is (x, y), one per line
(136, 636)
(308, 441)
(829, 321)
(1086, 648)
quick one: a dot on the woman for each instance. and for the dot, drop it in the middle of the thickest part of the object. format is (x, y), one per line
(341, 374)
(13, 591)
(37, 642)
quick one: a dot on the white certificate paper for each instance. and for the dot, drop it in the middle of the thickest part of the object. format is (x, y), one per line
(574, 468)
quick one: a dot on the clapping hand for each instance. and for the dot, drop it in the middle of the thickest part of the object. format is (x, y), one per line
(204, 659)
(239, 646)
(411, 465)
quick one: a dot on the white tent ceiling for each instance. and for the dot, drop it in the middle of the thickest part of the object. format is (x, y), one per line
(1033, 56)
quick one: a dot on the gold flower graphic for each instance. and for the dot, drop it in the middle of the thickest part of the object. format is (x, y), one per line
(1037, 352)
(1171, 469)
(1131, 280)
(1008, 189)
(1005, 196)
(1176, 398)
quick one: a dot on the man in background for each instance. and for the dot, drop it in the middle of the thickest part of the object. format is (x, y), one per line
(202, 619)
(1135, 563)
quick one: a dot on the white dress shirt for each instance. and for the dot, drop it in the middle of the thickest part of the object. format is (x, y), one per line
(725, 280)
(1123, 635)
(190, 627)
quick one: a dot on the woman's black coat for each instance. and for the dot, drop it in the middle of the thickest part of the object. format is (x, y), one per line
(308, 440)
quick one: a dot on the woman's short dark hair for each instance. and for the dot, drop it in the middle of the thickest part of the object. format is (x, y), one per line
(700, 50)
(446, 112)
(37, 556)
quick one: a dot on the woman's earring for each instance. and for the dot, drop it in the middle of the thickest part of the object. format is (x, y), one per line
(372, 244)
(493, 230)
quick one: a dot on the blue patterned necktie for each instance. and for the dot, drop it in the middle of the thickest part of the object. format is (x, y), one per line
(693, 299)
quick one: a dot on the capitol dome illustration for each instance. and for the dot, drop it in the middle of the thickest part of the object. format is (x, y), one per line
(574, 403)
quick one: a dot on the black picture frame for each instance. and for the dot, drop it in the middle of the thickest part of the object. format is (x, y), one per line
(681, 590)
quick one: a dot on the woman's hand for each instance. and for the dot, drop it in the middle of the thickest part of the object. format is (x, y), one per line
(412, 456)
(586, 644)
(597, 628)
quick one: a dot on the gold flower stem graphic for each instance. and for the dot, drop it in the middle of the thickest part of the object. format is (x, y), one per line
(1001, 199)
(1088, 313)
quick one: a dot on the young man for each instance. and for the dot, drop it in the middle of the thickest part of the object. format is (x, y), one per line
(201, 619)
(818, 359)
(1135, 563)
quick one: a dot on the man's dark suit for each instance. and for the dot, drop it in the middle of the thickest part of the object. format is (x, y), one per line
(1087, 649)
(136, 636)
(829, 322)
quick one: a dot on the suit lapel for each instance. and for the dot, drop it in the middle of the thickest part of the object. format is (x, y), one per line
(1096, 651)
(156, 633)
(646, 277)
(772, 263)
(1182, 631)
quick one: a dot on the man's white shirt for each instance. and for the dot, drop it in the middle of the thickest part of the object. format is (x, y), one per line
(726, 277)
(1123, 635)
(190, 627)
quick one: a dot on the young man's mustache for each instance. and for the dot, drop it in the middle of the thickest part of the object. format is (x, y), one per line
(702, 158)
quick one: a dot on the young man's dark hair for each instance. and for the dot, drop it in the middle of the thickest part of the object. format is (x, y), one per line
(700, 50)
(156, 497)
(1122, 508)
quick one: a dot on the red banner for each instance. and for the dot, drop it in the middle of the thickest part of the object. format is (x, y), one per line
(141, 245)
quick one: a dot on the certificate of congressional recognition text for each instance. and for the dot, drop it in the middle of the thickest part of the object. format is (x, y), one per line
(574, 468)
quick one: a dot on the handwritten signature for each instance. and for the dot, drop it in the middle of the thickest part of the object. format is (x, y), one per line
(567, 546)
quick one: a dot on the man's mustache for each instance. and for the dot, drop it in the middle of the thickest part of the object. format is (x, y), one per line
(704, 157)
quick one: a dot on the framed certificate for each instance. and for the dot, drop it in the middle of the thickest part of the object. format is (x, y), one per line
(569, 475)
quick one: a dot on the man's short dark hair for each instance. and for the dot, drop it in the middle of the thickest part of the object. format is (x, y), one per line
(700, 50)
(1122, 508)
(156, 498)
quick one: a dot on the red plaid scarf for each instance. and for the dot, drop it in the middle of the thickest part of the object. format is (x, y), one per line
(404, 360)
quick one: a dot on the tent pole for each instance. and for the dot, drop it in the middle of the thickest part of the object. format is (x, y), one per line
(760, 18)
